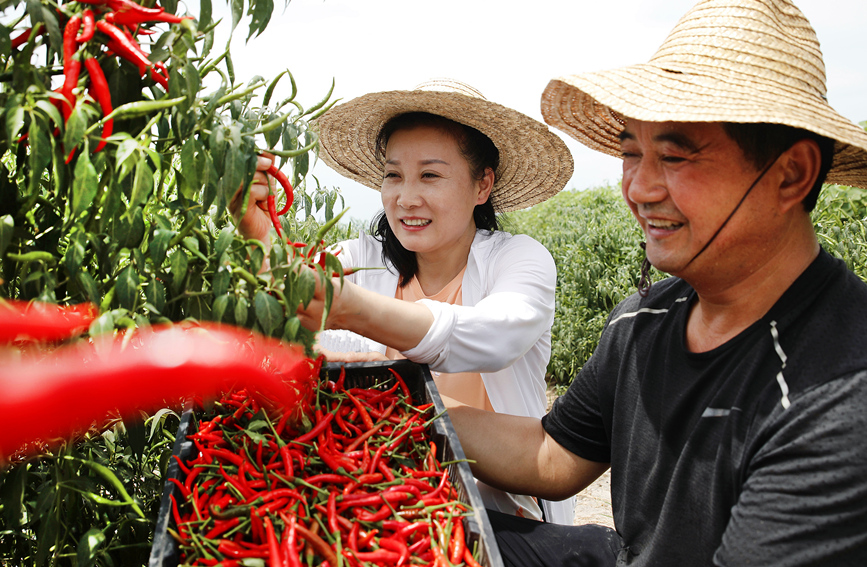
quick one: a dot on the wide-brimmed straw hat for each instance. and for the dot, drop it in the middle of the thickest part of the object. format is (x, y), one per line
(745, 61)
(535, 163)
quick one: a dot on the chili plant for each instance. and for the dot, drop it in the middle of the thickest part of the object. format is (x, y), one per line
(123, 136)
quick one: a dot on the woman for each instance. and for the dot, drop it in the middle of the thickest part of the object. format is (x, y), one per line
(454, 292)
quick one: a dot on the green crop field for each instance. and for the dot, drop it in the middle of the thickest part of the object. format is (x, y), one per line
(595, 243)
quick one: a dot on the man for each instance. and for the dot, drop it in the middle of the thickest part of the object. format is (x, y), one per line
(729, 400)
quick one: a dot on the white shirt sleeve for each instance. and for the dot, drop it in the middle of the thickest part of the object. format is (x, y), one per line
(517, 281)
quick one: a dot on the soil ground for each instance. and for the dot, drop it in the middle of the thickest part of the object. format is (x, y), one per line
(593, 504)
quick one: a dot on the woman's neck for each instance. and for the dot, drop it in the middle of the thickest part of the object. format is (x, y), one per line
(436, 270)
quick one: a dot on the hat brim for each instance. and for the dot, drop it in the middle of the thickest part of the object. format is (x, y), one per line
(535, 163)
(592, 108)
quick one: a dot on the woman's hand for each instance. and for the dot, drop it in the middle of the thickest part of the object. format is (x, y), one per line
(333, 356)
(385, 320)
(255, 223)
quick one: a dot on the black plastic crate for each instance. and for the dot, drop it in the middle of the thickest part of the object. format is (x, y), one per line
(362, 375)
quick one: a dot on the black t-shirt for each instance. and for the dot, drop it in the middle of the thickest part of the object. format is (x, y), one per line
(754, 453)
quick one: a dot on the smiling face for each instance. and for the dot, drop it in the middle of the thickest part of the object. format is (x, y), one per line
(682, 181)
(429, 193)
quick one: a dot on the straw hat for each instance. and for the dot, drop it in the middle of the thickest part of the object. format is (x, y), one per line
(747, 61)
(535, 163)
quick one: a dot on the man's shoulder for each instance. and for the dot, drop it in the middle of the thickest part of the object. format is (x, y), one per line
(663, 295)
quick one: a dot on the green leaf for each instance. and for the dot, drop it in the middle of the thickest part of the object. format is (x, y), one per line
(179, 265)
(155, 294)
(88, 285)
(75, 252)
(12, 495)
(222, 280)
(88, 547)
(14, 118)
(40, 153)
(112, 480)
(305, 286)
(227, 235)
(135, 431)
(237, 14)
(5, 40)
(133, 229)
(205, 11)
(260, 12)
(221, 306)
(159, 245)
(102, 325)
(85, 184)
(7, 227)
(143, 184)
(76, 125)
(157, 420)
(269, 313)
(242, 311)
(290, 330)
(49, 110)
(192, 180)
(127, 156)
(126, 288)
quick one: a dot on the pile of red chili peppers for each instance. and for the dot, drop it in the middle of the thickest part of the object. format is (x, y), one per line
(361, 487)
(118, 22)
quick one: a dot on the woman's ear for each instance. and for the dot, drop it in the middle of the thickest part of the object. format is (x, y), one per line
(486, 183)
(800, 168)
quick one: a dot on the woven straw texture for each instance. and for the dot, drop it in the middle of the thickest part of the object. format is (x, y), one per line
(725, 61)
(535, 163)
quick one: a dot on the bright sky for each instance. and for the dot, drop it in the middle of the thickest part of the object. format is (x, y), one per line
(508, 50)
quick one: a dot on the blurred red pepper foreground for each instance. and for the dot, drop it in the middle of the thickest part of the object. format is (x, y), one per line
(84, 382)
(23, 320)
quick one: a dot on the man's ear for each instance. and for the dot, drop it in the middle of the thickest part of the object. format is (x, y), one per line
(800, 168)
(486, 183)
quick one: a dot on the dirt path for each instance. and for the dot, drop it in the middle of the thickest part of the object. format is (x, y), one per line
(593, 504)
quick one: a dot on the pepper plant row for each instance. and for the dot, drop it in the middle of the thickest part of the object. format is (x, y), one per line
(140, 229)
(361, 486)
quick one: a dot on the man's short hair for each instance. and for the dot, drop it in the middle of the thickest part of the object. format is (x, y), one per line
(764, 142)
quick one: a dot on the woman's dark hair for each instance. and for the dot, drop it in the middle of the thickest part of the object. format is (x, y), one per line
(480, 153)
(763, 143)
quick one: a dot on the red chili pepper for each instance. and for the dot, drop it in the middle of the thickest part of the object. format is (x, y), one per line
(129, 49)
(133, 19)
(101, 94)
(290, 554)
(71, 71)
(272, 212)
(332, 513)
(318, 544)
(458, 543)
(380, 556)
(317, 429)
(365, 417)
(287, 188)
(22, 38)
(89, 26)
(396, 545)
